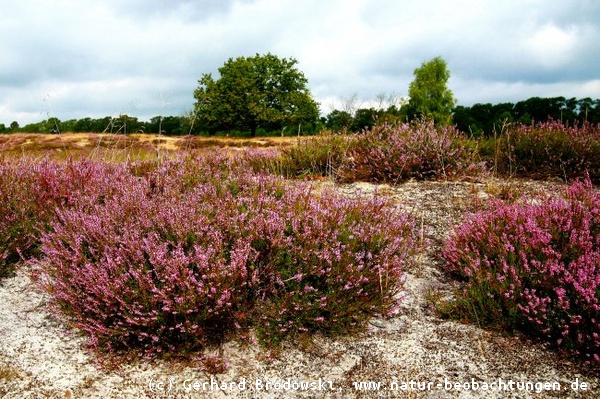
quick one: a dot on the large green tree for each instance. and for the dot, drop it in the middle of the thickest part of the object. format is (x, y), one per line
(429, 95)
(251, 92)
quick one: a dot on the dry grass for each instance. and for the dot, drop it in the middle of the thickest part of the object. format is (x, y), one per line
(118, 147)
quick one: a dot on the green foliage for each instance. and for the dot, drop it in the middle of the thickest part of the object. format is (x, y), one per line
(339, 120)
(252, 92)
(429, 95)
(126, 124)
(487, 119)
(366, 118)
(482, 120)
(316, 156)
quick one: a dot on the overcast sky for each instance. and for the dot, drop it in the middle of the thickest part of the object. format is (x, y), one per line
(79, 58)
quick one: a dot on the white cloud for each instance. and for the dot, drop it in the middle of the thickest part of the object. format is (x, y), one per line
(497, 92)
(143, 57)
(552, 46)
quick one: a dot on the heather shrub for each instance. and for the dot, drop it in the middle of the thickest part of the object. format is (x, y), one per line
(535, 267)
(130, 281)
(398, 152)
(17, 214)
(342, 265)
(548, 150)
(30, 191)
(199, 250)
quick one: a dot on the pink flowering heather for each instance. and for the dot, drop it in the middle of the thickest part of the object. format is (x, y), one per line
(398, 152)
(342, 265)
(30, 191)
(550, 149)
(535, 267)
(17, 214)
(198, 249)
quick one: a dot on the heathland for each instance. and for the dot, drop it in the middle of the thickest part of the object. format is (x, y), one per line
(404, 252)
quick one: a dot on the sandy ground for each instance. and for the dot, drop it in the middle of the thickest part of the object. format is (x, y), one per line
(414, 354)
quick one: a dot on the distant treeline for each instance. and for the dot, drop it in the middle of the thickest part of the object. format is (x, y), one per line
(477, 120)
(480, 119)
(485, 119)
(125, 124)
(169, 125)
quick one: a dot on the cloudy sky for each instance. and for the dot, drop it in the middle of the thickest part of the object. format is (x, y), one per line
(79, 58)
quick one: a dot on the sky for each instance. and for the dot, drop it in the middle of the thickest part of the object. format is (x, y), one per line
(72, 59)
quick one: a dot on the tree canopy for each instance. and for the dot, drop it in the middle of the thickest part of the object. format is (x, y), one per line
(251, 92)
(429, 95)
(485, 119)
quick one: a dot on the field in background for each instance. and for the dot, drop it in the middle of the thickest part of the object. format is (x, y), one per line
(118, 147)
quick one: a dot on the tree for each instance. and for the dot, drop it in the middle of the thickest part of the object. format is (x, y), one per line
(251, 92)
(68, 125)
(102, 125)
(53, 125)
(429, 95)
(84, 125)
(339, 120)
(14, 125)
(365, 118)
(589, 110)
(466, 121)
(171, 125)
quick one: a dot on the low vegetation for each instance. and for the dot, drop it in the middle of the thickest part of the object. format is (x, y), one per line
(31, 192)
(533, 266)
(396, 153)
(390, 153)
(120, 147)
(174, 253)
(547, 150)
